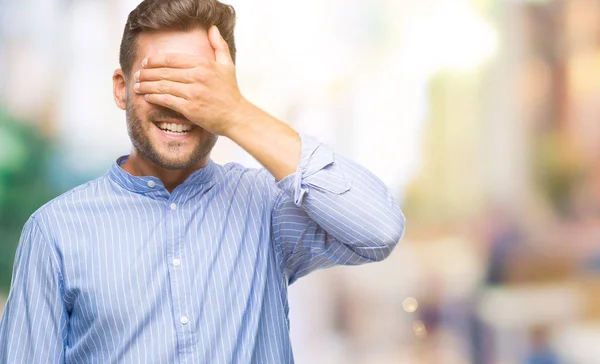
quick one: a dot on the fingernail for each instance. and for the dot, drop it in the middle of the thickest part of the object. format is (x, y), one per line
(146, 96)
(145, 62)
(136, 76)
(136, 87)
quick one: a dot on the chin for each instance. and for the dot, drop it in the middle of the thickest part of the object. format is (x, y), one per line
(176, 163)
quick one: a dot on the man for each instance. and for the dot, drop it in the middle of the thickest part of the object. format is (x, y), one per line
(170, 258)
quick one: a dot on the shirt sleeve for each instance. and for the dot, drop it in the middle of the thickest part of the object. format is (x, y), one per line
(332, 211)
(33, 328)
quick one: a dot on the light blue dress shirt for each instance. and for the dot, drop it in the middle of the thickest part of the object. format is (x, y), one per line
(119, 270)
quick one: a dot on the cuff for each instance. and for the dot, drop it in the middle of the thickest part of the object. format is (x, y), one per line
(317, 169)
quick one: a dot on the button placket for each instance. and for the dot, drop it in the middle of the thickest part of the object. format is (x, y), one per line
(180, 298)
(182, 314)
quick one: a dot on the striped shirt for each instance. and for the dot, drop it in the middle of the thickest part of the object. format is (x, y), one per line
(119, 270)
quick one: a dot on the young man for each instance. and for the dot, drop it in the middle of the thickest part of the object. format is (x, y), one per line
(170, 258)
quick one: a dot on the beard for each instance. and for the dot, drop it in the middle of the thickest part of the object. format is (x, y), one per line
(174, 157)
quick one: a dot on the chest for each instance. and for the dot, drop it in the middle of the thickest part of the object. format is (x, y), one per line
(165, 260)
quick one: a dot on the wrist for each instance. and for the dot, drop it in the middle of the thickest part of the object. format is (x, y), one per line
(241, 118)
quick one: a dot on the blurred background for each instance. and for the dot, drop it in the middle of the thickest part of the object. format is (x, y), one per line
(482, 116)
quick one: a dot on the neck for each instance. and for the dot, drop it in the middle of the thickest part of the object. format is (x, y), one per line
(138, 165)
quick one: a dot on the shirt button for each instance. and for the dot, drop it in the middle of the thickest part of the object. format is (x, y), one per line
(151, 184)
(173, 206)
(184, 320)
(176, 262)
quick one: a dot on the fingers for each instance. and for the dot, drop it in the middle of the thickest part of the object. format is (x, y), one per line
(169, 101)
(222, 54)
(173, 60)
(165, 74)
(177, 89)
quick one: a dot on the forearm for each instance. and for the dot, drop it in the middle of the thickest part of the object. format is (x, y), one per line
(271, 142)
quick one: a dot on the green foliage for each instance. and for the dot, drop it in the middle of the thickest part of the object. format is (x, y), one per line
(24, 185)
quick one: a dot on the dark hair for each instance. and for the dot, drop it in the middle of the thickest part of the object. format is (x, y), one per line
(179, 15)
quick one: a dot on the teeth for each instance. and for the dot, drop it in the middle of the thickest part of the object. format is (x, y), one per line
(177, 128)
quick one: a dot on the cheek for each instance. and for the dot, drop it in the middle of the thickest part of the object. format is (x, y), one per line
(142, 108)
(136, 98)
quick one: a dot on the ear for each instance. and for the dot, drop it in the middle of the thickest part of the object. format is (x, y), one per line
(120, 89)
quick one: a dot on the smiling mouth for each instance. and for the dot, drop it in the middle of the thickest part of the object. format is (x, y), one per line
(175, 129)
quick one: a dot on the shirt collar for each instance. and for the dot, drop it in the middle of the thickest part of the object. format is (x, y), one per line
(145, 184)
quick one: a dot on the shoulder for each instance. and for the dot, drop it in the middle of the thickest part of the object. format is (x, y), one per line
(71, 201)
(236, 179)
(235, 172)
